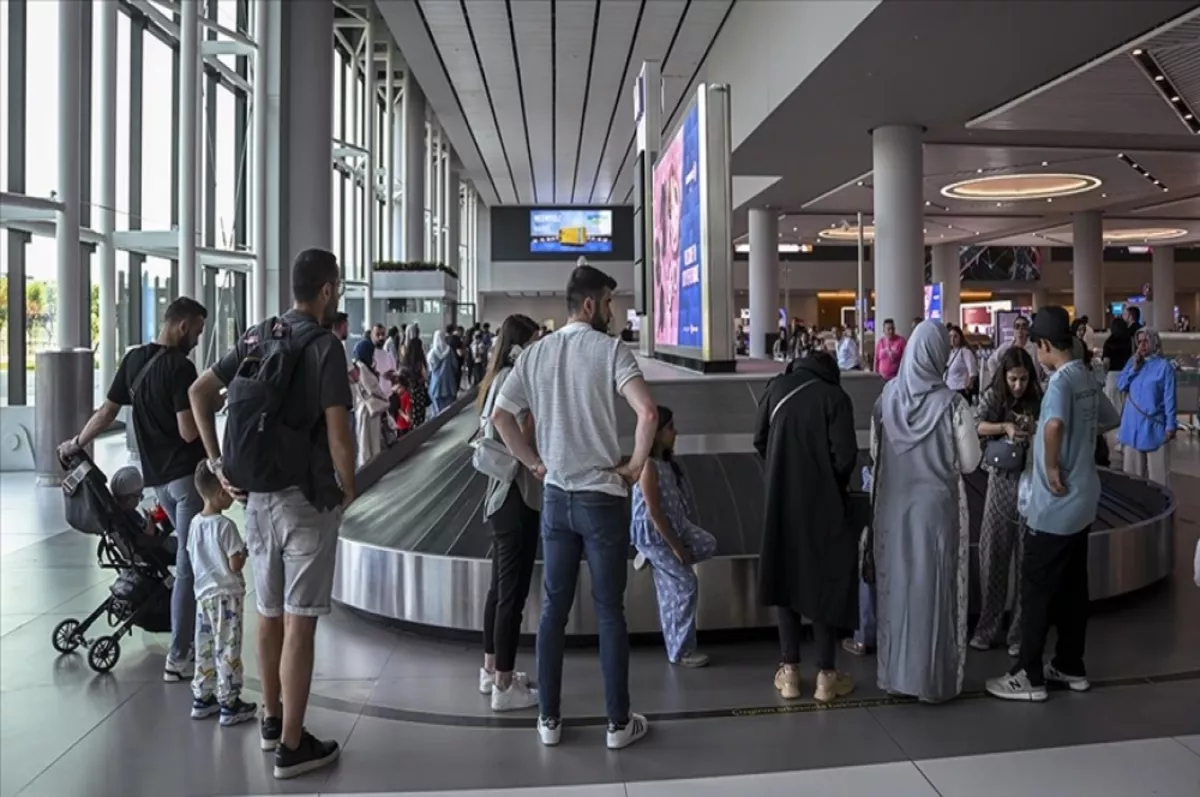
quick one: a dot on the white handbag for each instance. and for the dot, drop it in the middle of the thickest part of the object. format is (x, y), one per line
(490, 456)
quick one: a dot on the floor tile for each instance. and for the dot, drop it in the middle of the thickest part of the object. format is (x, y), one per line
(759, 744)
(385, 755)
(11, 622)
(30, 591)
(608, 790)
(67, 549)
(893, 780)
(1190, 742)
(165, 752)
(37, 725)
(986, 725)
(1144, 768)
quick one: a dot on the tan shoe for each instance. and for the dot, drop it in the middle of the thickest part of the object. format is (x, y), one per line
(787, 681)
(831, 685)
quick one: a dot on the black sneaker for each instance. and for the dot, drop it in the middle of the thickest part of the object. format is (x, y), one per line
(309, 755)
(272, 731)
(203, 709)
(237, 712)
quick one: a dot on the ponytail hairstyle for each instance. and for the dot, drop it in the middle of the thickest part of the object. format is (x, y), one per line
(667, 455)
(515, 333)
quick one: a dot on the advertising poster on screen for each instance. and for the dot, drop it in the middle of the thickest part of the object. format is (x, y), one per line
(678, 286)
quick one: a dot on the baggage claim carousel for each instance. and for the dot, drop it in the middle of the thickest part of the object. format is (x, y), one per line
(414, 547)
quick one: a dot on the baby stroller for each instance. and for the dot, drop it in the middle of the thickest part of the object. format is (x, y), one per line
(141, 594)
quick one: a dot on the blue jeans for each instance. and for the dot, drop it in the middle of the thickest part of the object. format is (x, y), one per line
(865, 635)
(181, 502)
(575, 525)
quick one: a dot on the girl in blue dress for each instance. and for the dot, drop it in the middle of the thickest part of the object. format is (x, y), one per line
(667, 538)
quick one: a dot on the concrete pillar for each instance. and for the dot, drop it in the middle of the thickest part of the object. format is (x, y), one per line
(1039, 299)
(106, 151)
(259, 155)
(300, 140)
(1163, 285)
(69, 316)
(1087, 276)
(947, 269)
(412, 170)
(188, 144)
(899, 251)
(764, 281)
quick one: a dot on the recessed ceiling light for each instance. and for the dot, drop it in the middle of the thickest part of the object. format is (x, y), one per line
(1104, 196)
(1186, 116)
(1049, 199)
(1045, 163)
(793, 229)
(846, 233)
(979, 171)
(1175, 98)
(1137, 52)
(925, 231)
(1017, 187)
(927, 203)
(943, 235)
(860, 183)
(977, 232)
(1159, 78)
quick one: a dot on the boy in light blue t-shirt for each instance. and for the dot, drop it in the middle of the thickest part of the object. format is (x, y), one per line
(1063, 493)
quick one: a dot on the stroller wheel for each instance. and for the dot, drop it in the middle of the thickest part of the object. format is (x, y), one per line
(64, 636)
(104, 653)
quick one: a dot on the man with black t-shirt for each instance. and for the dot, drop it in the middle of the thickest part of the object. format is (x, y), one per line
(154, 381)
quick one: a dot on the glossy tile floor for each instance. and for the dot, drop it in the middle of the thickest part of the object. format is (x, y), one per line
(410, 718)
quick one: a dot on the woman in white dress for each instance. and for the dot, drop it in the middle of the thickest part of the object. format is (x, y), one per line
(370, 404)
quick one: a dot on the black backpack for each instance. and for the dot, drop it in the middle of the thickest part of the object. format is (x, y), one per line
(262, 451)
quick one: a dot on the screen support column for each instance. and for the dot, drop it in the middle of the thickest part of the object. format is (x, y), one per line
(647, 109)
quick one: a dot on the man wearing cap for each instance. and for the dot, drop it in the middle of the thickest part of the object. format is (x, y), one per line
(1059, 496)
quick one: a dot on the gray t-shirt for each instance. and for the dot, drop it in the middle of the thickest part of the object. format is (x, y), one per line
(569, 382)
(321, 382)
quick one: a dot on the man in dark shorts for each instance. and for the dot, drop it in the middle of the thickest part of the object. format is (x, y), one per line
(154, 381)
(292, 534)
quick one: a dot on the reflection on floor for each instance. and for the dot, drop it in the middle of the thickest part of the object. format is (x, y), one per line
(411, 719)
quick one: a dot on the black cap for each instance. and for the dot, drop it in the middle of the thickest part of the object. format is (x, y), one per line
(1051, 324)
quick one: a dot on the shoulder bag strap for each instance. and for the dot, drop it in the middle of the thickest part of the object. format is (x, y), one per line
(775, 410)
(1152, 418)
(145, 369)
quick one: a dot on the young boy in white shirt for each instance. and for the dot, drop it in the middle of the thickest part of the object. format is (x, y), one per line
(218, 555)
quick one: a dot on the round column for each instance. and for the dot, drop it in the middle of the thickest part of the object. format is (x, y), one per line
(188, 144)
(899, 239)
(764, 281)
(947, 269)
(1163, 283)
(1087, 278)
(68, 272)
(106, 130)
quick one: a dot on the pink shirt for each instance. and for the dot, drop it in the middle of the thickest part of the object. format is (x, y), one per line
(888, 352)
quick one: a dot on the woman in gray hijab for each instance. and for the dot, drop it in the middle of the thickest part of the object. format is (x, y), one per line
(923, 440)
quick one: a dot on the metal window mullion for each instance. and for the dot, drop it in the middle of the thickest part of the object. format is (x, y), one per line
(18, 327)
(137, 262)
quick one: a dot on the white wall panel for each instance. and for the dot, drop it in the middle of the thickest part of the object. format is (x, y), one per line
(531, 21)
(573, 23)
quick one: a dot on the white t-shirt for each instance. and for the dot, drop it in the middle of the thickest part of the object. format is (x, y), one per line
(961, 368)
(569, 381)
(212, 540)
(385, 363)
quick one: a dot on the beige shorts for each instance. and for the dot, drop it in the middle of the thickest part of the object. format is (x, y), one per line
(293, 549)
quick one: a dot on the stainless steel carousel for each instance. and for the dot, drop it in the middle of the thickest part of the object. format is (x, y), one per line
(415, 549)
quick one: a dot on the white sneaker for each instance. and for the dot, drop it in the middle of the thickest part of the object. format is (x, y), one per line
(1016, 687)
(518, 696)
(177, 672)
(693, 660)
(550, 731)
(487, 679)
(1076, 683)
(639, 561)
(635, 728)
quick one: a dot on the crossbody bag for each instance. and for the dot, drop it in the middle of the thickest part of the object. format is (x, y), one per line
(490, 456)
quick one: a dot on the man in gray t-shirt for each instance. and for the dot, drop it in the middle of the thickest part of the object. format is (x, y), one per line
(568, 382)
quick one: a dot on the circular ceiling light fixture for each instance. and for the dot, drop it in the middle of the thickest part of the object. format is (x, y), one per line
(849, 233)
(1017, 187)
(1143, 234)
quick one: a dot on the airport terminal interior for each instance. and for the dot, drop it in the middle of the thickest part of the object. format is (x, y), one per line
(743, 169)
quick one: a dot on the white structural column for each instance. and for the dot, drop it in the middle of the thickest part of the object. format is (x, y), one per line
(947, 269)
(453, 223)
(899, 240)
(1163, 283)
(764, 280)
(427, 218)
(1087, 275)
(261, 239)
(389, 158)
(188, 143)
(106, 154)
(69, 318)
(412, 170)
(438, 219)
(371, 143)
(449, 200)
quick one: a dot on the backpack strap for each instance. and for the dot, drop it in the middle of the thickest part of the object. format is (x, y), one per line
(775, 410)
(143, 371)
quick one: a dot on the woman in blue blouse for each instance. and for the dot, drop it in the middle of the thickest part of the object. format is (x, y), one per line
(1148, 419)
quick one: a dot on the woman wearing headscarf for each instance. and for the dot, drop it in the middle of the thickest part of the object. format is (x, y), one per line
(443, 373)
(1117, 352)
(370, 403)
(1148, 420)
(923, 440)
(413, 364)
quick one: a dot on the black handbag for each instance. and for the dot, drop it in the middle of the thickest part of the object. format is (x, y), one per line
(1004, 455)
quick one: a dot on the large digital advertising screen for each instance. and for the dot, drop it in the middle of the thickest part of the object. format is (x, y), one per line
(933, 302)
(570, 231)
(678, 246)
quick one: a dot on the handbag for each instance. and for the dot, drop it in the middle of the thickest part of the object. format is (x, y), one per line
(490, 456)
(1004, 455)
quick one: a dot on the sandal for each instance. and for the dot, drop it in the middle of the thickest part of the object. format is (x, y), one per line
(854, 648)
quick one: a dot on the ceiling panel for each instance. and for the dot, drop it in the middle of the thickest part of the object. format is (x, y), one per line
(452, 38)
(493, 39)
(531, 26)
(1183, 208)
(574, 21)
(615, 33)
(700, 26)
(660, 20)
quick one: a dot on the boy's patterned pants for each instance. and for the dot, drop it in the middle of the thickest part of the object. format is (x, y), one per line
(218, 649)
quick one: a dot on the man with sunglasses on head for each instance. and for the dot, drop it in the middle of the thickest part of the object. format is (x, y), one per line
(288, 452)
(1021, 339)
